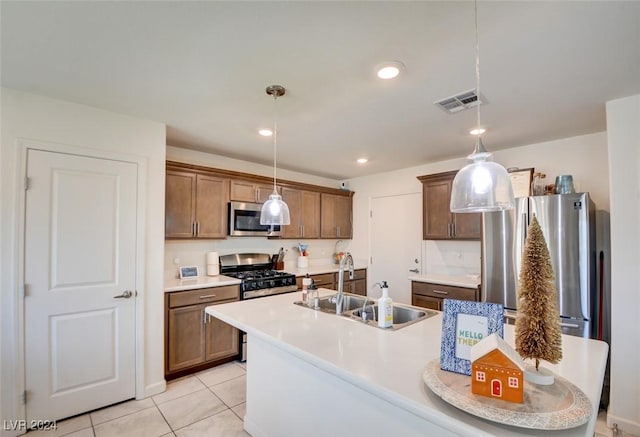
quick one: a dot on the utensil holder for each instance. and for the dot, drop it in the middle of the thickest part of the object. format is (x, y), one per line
(303, 262)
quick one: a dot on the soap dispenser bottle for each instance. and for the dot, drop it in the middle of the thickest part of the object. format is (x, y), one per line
(306, 282)
(385, 308)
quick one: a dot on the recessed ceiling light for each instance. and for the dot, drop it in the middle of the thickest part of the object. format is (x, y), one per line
(389, 70)
(477, 131)
(265, 132)
(362, 160)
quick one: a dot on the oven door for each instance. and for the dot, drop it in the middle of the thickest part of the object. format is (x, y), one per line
(244, 221)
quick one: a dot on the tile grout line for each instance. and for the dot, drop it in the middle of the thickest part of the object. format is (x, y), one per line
(161, 414)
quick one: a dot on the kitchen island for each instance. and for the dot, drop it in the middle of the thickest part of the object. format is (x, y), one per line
(311, 373)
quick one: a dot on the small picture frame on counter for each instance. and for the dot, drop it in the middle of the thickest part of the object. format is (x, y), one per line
(189, 272)
(465, 323)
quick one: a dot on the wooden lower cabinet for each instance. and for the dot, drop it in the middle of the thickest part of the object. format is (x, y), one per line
(185, 342)
(430, 295)
(324, 280)
(357, 285)
(433, 303)
(221, 340)
(195, 340)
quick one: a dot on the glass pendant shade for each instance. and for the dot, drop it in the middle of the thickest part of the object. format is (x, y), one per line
(275, 211)
(482, 186)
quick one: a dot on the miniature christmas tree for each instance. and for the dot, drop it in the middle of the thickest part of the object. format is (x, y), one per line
(538, 333)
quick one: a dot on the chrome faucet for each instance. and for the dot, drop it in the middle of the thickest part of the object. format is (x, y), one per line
(348, 260)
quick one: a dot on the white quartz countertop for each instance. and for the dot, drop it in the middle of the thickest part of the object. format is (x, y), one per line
(321, 269)
(466, 281)
(390, 364)
(176, 284)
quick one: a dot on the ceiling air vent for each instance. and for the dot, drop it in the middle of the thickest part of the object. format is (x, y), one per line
(463, 100)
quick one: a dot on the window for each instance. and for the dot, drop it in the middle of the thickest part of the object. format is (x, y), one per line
(513, 382)
(480, 376)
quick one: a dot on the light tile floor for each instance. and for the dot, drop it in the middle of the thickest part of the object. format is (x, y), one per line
(209, 403)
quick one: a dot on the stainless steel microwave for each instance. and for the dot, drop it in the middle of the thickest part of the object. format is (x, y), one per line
(244, 221)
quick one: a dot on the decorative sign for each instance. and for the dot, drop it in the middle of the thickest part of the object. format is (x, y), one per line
(188, 272)
(465, 323)
(521, 181)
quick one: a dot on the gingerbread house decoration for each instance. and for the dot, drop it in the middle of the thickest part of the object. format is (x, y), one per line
(497, 371)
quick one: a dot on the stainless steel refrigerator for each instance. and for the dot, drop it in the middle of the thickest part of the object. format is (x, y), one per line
(567, 222)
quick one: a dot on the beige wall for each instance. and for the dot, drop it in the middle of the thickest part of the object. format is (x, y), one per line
(40, 119)
(623, 134)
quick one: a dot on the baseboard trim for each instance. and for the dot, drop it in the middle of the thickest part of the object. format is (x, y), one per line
(624, 425)
(153, 389)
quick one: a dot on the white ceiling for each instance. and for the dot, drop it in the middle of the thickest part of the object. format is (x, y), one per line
(547, 69)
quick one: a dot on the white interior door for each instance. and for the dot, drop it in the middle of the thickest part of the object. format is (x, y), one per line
(396, 241)
(80, 253)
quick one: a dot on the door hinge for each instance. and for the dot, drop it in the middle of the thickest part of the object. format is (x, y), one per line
(25, 291)
(371, 260)
(27, 183)
(371, 213)
(25, 397)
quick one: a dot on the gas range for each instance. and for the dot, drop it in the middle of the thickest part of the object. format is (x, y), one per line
(258, 279)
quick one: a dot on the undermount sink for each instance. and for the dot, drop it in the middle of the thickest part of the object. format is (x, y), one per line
(350, 302)
(402, 315)
(352, 308)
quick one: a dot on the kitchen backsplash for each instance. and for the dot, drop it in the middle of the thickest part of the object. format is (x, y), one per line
(451, 257)
(192, 252)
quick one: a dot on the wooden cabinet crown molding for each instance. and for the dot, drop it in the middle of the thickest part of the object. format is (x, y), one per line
(231, 174)
(444, 176)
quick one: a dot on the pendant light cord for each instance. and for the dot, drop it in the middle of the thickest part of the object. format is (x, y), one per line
(475, 4)
(275, 140)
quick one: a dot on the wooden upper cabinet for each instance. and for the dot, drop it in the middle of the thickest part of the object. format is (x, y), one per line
(180, 211)
(336, 213)
(436, 215)
(304, 209)
(310, 214)
(211, 207)
(248, 191)
(195, 205)
(438, 222)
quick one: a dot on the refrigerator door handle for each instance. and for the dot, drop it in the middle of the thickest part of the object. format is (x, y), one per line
(569, 325)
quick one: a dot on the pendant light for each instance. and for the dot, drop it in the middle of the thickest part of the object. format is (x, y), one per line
(275, 211)
(482, 186)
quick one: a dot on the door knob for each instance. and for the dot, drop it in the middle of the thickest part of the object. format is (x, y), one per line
(415, 270)
(125, 295)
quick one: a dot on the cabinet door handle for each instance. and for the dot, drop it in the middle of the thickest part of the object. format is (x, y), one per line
(338, 231)
(440, 292)
(302, 230)
(193, 229)
(204, 320)
(453, 229)
(197, 228)
(206, 296)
